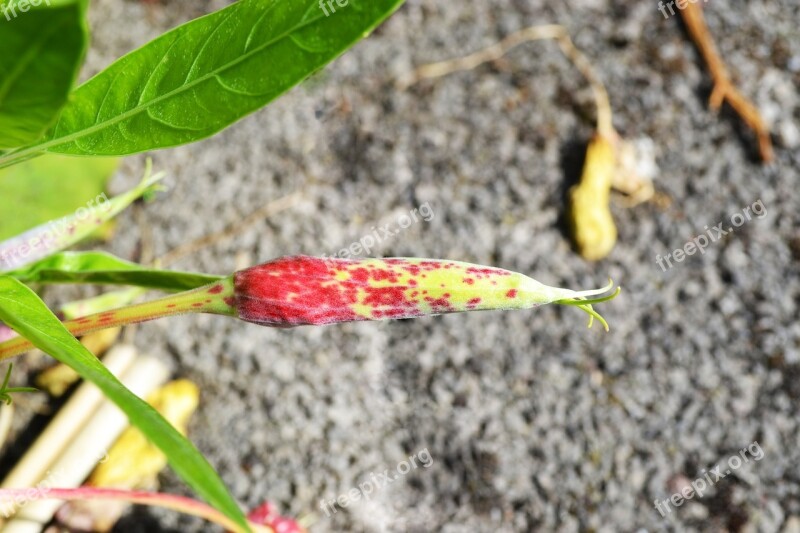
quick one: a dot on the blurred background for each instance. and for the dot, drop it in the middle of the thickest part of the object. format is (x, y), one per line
(520, 421)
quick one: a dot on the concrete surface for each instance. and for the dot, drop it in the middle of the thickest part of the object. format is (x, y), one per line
(531, 420)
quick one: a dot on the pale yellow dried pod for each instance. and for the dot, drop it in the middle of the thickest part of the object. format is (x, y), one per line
(591, 224)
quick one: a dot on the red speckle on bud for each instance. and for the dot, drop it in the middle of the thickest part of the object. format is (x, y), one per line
(301, 290)
(267, 515)
(293, 291)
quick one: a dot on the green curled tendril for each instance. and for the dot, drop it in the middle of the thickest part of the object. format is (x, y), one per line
(583, 303)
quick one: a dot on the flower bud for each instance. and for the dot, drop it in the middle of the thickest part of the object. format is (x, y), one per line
(302, 290)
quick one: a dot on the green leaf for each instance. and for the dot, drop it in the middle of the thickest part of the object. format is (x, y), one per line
(201, 77)
(23, 311)
(106, 269)
(42, 50)
(48, 188)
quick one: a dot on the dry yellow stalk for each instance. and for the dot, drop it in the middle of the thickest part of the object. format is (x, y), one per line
(133, 462)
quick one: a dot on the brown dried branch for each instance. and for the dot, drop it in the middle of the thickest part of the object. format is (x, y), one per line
(272, 208)
(724, 90)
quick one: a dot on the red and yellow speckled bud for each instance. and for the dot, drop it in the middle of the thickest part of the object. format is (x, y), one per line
(302, 290)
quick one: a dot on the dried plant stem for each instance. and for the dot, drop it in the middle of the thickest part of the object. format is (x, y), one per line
(724, 90)
(272, 208)
(6, 418)
(65, 425)
(79, 456)
(496, 51)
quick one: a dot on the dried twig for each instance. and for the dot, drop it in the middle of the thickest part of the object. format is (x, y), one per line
(272, 208)
(724, 90)
(76, 457)
(65, 425)
(498, 50)
(6, 418)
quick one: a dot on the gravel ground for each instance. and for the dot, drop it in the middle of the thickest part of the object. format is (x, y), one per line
(528, 420)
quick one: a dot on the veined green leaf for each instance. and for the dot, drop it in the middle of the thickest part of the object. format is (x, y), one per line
(105, 269)
(42, 50)
(24, 312)
(201, 77)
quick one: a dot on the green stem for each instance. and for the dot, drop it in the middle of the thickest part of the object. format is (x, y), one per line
(214, 298)
(18, 156)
